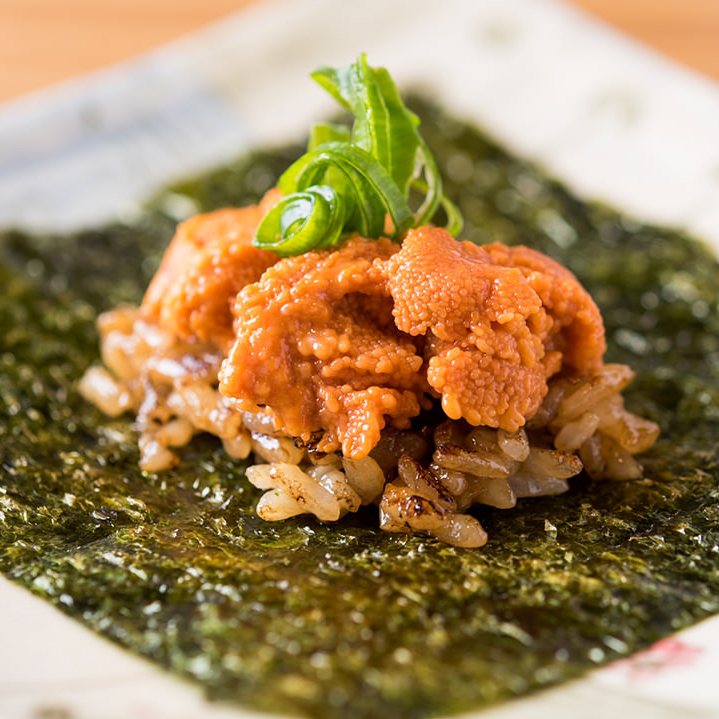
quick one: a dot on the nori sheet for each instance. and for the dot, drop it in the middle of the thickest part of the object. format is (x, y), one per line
(343, 620)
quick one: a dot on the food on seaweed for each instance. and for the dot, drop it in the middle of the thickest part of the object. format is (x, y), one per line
(339, 381)
(341, 343)
(339, 620)
(311, 361)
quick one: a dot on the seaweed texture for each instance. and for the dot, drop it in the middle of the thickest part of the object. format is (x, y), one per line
(344, 620)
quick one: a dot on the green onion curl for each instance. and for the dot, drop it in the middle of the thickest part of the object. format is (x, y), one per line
(354, 180)
(301, 221)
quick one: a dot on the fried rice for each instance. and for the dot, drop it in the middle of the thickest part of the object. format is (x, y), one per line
(424, 479)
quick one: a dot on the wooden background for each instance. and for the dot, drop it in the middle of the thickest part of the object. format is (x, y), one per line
(44, 41)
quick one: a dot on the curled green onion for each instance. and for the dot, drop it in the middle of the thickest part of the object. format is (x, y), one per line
(353, 180)
(295, 223)
(359, 176)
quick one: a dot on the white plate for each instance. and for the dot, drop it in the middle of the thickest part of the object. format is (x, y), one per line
(613, 120)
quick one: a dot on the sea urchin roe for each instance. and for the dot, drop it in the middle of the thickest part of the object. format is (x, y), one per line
(317, 345)
(209, 260)
(499, 322)
(336, 344)
(577, 328)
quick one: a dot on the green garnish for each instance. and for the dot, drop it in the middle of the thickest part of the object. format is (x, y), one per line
(351, 181)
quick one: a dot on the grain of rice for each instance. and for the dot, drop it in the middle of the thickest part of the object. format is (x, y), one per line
(611, 379)
(483, 464)
(634, 434)
(481, 439)
(119, 355)
(332, 458)
(455, 482)
(168, 369)
(298, 485)
(336, 484)
(552, 463)
(204, 407)
(425, 482)
(574, 434)
(155, 340)
(404, 510)
(492, 492)
(533, 486)
(154, 456)
(365, 476)
(261, 477)
(103, 390)
(238, 447)
(276, 449)
(619, 464)
(590, 454)
(121, 318)
(276, 505)
(461, 530)
(514, 444)
(153, 410)
(176, 433)
(259, 422)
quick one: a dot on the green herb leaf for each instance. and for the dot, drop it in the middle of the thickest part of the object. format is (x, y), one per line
(383, 126)
(357, 175)
(369, 171)
(327, 132)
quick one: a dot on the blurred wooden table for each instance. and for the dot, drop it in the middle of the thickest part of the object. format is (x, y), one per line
(44, 41)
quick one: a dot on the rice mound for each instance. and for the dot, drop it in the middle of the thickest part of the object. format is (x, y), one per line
(422, 480)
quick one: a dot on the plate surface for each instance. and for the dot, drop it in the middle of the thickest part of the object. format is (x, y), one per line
(614, 121)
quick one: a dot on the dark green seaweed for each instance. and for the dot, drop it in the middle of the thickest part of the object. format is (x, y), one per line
(344, 620)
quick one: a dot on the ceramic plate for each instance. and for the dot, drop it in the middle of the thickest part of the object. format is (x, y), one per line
(613, 120)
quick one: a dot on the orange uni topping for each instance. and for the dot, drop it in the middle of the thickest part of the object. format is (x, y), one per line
(577, 328)
(499, 321)
(208, 261)
(317, 345)
(336, 344)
